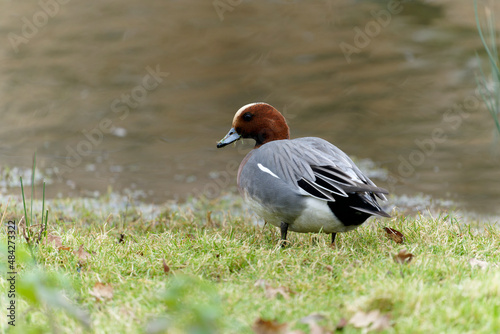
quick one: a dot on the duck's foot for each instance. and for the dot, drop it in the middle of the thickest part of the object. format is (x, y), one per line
(284, 230)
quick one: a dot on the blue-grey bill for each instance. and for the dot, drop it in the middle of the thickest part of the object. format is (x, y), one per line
(231, 137)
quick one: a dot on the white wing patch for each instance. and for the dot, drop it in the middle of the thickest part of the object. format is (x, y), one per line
(267, 170)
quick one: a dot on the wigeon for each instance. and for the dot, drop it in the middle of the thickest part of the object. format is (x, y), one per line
(301, 185)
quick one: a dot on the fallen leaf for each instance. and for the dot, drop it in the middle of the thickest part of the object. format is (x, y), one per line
(82, 254)
(64, 248)
(261, 283)
(362, 319)
(314, 328)
(481, 264)
(166, 268)
(281, 290)
(261, 326)
(312, 320)
(341, 324)
(372, 320)
(313, 317)
(394, 235)
(53, 239)
(102, 291)
(271, 292)
(403, 256)
(381, 323)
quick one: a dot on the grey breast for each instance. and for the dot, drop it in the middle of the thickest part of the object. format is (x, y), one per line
(280, 193)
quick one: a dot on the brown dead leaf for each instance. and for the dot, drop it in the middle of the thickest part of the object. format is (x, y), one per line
(341, 324)
(166, 268)
(372, 321)
(102, 291)
(82, 254)
(271, 292)
(64, 248)
(394, 235)
(261, 326)
(403, 256)
(53, 239)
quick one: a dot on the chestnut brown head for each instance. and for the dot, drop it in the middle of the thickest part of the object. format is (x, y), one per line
(259, 121)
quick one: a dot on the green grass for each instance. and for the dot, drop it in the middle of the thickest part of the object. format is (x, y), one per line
(489, 89)
(31, 231)
(215, 256)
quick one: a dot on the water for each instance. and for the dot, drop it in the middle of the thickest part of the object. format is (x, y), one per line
(78, 88)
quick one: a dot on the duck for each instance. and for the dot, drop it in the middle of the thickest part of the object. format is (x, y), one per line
(304, 185)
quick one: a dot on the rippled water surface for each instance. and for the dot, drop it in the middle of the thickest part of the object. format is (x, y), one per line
(389, 85)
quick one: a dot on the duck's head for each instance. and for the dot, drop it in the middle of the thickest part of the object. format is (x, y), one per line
(259, 121)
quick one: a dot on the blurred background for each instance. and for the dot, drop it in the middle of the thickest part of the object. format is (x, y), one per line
(133, 95)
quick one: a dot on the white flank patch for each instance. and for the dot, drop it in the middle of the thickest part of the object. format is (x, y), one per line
(316, 217)
(267, 170)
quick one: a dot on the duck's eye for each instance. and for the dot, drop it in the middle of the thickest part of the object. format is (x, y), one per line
(247, 117)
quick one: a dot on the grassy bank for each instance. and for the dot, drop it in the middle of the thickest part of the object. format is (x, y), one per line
(205, 268)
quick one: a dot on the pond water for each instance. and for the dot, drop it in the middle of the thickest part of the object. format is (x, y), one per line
(133, 95)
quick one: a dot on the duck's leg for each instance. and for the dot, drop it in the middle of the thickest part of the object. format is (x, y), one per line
(284, 230)
(333, 238)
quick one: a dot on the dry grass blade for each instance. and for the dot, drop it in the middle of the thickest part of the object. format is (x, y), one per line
(22, 229)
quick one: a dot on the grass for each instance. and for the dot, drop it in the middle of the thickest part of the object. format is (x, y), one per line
(214, 259)
(28, 224)
(489, 89)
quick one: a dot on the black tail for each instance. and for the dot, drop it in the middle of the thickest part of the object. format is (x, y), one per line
(356, 208)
